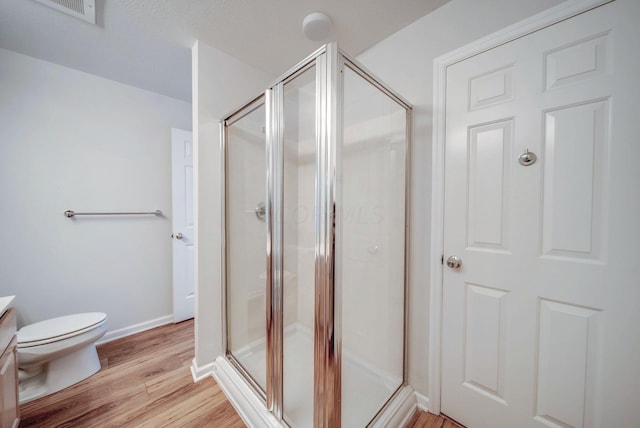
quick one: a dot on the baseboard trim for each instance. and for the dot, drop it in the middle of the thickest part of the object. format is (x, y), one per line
(424, 403)
(133, 329)
(200, 372)
(250, 408)
(399, 411)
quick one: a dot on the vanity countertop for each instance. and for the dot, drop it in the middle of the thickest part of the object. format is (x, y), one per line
(5, 302)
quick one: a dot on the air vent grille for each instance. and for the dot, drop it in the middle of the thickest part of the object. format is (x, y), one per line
(77, 5)
(83, 9)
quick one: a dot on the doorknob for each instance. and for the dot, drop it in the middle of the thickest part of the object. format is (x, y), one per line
(454, 262)
(177, 235)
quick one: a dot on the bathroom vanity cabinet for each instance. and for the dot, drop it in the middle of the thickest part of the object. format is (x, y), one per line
(9, 408)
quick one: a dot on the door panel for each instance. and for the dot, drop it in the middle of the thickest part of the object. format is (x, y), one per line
(564, 351)
(538, 323)
(488, 196)
(484, 341)
(574, 172)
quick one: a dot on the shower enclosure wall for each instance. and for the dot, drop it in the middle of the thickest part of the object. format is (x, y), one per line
(315, 244)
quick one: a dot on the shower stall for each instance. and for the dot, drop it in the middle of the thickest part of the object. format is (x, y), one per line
(315, 235)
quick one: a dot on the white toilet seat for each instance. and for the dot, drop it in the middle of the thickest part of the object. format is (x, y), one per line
(58, 329)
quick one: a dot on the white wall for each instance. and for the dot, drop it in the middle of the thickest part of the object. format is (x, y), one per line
(220, 83)
(404, 61)
(71, 140)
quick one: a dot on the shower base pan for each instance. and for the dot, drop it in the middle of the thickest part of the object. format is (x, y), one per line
(298, 387)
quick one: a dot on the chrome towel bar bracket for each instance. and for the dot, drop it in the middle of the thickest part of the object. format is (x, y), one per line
(71, 213)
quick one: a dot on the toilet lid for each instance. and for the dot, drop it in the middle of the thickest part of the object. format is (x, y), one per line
(61, 326)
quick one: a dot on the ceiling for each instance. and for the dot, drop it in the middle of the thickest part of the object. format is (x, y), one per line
(146, 43)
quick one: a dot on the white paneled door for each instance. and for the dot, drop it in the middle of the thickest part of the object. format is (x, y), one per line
(183, 224)
(541, 322)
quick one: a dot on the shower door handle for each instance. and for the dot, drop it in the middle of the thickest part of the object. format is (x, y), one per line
(261, 211)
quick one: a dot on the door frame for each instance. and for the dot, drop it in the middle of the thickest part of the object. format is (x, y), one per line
(530, 25)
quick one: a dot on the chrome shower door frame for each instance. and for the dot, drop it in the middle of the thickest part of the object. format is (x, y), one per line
(327, 341)
(229, 120)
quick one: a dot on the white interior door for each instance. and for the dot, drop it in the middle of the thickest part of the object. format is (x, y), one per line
(540, 323)
(183, 230)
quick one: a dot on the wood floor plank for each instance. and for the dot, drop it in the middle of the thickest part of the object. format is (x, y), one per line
(226, 418)
(179, 415)
(166, 404)
(77, 408)
(413, 419)
(103, 410)
(168, 382)
(429, 420)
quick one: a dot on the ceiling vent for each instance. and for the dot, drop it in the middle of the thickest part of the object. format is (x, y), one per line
(82, 9)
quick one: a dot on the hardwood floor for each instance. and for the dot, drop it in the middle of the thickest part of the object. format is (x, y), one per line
(429, 420)
(145, 382)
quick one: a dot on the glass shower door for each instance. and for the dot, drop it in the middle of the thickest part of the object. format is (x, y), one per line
(246, 241)
(370, 237)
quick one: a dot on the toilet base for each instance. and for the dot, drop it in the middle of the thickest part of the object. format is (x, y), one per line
(58, 374)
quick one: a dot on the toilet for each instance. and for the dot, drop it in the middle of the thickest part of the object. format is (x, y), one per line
(57, 353)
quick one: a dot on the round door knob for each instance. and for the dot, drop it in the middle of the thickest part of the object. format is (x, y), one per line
(454, 262)
(527, 158)
(178, 235)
